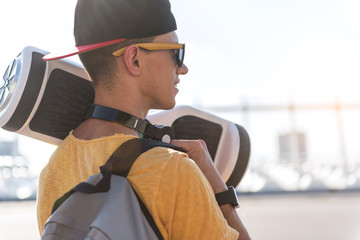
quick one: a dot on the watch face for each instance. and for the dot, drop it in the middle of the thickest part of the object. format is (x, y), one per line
(8, 83)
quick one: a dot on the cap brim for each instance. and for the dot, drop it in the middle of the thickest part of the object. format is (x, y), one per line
(80, 49)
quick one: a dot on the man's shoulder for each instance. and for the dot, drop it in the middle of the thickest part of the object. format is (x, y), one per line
(95, 151)
(113, 141)
(165, 154)
(161, 159)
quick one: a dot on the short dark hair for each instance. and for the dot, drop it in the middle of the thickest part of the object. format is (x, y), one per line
(100, 63)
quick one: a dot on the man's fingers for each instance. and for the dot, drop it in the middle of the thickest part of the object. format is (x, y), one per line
(179, 143)
(189, 145)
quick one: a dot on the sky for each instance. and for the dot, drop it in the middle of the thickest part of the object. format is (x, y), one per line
(239, 47)
(258, 51)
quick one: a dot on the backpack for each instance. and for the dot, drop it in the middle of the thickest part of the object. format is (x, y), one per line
(106, 206)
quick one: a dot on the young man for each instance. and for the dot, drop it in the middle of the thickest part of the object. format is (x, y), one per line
(131, 53)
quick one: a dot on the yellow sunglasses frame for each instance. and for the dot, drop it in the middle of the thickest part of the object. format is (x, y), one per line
(151, 46)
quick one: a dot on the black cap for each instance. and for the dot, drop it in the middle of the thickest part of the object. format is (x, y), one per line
(99, 23)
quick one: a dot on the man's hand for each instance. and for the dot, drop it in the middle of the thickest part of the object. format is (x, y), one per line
(197, 151)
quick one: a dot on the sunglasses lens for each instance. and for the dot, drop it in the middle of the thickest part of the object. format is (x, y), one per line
(180, 56)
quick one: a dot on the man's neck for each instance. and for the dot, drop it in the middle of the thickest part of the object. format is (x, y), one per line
(124, 100)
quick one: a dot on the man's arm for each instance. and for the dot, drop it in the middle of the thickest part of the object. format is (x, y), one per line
(197, 150)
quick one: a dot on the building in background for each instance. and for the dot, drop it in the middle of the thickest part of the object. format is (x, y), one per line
(16, 183)
(299, 147)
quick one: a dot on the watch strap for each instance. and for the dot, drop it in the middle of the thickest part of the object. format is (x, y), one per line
(227, 197)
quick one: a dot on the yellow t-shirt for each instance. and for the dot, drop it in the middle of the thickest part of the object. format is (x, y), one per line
(171, 185)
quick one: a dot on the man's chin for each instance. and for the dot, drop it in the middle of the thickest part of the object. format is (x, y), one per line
(167, 106)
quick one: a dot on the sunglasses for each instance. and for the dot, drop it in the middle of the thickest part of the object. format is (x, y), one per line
(179, 50)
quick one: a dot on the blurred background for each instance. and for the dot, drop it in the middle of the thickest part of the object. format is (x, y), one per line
(287, 71)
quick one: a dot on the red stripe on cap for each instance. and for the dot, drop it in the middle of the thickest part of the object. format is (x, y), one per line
(80, 49)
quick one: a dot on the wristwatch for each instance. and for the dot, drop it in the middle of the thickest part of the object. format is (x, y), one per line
(227, 197)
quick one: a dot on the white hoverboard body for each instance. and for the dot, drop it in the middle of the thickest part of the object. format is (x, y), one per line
(228, 143)
(37, 97)
(46, 100)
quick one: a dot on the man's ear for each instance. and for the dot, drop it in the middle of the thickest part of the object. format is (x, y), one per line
(132, 59)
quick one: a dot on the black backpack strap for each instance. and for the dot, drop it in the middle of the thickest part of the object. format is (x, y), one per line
(60, 200)
(148, 217)
(123, 158)
(120, 163)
